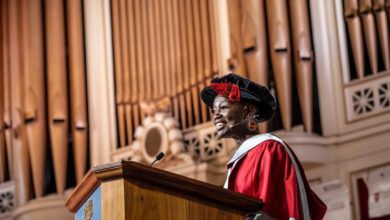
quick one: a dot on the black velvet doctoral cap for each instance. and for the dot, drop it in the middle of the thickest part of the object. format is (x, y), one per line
(249, 91)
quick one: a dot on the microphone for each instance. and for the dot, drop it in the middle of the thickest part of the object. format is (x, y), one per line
(158, 158)
(240, 126)
(235, 125)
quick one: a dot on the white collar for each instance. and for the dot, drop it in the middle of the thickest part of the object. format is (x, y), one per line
(246, 146)
(250, 143)
(253, 142)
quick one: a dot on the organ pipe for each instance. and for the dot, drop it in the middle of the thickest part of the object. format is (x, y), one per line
(19, 141)
(280, 50)
(236, 61)
(57, 89)
(365, 8)
(355, 34)
(118, 72)
(194, 45)
(303, 59)
(133, 63)
(77, 86)
(206, 49)
(254, 42)
(2, 137)
(34, 91)
(7, 115)
(179, 103)
(383, 30)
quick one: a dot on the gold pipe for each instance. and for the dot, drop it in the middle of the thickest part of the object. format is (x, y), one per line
(236, 60)
(365, 8)
(160, 52)
(213, 42)
(254, 40)
(57, 89)
(133, 63)
(126, 69)
(178, 97)
(280, 51)
(2, 137)
(383, 30)
(186, 99)
(205, 24)
(34, 93)
(152, 27)
(387, 6)
(118, 72)
(254, 43)
(195, 55)
(7, 114)
(132, 54)
(170, 67)
(199, 64)
(146, 52)
(19, 143)
(173, 59)
(303, 59)
(206, 55)
(77, 86)
(170, 51)
(3, 165)
(139, 54)
(355, 34)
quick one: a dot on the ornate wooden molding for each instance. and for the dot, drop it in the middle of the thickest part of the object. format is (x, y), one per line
(86, 187)
(7, 199)
(367, 98)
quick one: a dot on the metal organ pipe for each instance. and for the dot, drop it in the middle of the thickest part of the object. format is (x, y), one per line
(355, 34)
(57, 89)
(303, 58)
(77, 86)
(280, 50)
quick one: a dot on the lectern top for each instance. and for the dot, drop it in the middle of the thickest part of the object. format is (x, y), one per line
(150, 177)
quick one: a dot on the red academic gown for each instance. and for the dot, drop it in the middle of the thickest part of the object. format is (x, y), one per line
(266, 171)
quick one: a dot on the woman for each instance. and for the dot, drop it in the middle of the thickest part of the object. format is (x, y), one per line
(263, 166)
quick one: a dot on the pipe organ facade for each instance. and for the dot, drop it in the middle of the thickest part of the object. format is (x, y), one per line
(43, 100)
(162, 50)
(89, 82)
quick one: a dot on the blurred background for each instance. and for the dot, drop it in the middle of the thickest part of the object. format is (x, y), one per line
(90, 82)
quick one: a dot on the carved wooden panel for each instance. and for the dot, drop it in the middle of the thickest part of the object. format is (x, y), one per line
(7, 199)
(202, 143)
(368, 98)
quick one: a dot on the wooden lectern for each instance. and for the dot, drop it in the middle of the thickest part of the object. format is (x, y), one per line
(129, 190)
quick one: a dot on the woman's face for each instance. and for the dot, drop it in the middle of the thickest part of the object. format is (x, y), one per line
(226, 115)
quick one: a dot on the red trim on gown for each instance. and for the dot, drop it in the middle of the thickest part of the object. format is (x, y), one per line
(266, 172)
